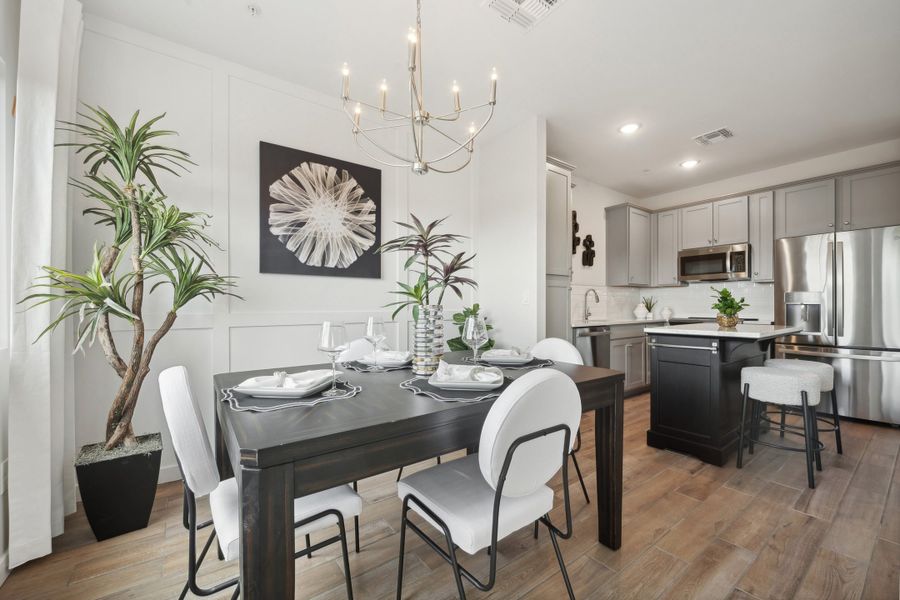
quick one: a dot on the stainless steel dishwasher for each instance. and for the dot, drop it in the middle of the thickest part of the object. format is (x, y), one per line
(593, 343)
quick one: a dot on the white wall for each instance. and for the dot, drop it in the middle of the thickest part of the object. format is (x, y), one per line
(9, 50)
(857, 158)
(590, 200)
(510, 214)
(222, 112)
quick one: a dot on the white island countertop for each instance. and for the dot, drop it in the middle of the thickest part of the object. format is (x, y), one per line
(744, 331)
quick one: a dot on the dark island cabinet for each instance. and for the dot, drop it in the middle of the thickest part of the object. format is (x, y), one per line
(695, 402)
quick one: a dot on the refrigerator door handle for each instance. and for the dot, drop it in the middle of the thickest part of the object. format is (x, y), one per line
(829, 293)
(839, 288)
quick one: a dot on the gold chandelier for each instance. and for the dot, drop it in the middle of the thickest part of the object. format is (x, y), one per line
(418, 120)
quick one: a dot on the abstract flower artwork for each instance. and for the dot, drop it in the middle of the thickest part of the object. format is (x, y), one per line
(318, 215)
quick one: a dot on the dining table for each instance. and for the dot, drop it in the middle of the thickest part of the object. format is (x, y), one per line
(285, 454)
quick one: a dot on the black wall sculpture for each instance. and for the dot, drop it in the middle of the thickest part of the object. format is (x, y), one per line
(575, 227)
(588, 255)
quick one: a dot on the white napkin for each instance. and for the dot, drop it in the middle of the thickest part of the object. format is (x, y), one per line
(300, 381)
(447, 373)
(501, 353)
(388, 356)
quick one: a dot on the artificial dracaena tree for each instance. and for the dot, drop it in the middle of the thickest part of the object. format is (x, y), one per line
(166, 247)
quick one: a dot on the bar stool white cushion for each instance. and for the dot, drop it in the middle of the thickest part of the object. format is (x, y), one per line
(823, 371)
(223, 504)
(460, 496)
(781, 386)
(557, 349)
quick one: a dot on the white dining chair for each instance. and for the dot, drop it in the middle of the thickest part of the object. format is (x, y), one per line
(478, 500)
(201, 478)
(559, 350)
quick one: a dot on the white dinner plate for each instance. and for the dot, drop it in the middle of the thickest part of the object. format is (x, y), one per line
(465, 386)
(521, 359)
(271, 392)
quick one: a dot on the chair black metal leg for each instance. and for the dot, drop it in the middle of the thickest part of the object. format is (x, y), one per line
(219, 553)
(399, 473)
(837, 423)
(237, 593)
(580, 478)
(308, 552)
(455, 565)
(438, 460)
(814, 422)
(356, 521)
(346, 557)
(402, 552)
(808, 439)
(562, 563)
(740, 452)
(184, 590)
(535, 530)
(783, 413)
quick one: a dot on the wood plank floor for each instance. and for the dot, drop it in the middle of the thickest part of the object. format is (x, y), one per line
(690, 531)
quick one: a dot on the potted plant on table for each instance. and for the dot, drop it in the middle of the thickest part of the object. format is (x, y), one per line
(437, 269)
(727, 307)
(167, 248)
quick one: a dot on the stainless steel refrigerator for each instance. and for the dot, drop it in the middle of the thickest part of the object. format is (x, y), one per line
(844, 290)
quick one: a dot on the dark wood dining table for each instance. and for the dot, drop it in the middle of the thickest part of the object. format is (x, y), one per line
(281, 455)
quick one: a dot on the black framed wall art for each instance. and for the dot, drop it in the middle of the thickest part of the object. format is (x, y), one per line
(317, 215)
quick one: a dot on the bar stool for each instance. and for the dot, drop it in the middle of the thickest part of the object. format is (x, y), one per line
(784, 387)
(825, 373)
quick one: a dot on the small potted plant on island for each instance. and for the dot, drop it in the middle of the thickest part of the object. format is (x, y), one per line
(649, 303)
(728, 307)
(167, 246)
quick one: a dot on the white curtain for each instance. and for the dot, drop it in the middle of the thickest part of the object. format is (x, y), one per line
(41, 486)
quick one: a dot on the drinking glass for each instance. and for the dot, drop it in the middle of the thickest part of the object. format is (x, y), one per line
(375, 335)
(475, 334)
(332, 341)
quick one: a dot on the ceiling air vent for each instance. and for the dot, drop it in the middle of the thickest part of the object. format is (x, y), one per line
(524, 13)
(714, 137)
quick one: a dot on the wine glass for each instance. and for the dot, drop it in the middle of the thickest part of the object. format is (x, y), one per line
(375, 335)
(332, 341)
(475, 334)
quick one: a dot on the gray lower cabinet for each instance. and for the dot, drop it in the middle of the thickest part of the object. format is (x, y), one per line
(627, 246)
(805, 209)
(869, 199)
(762, 236)
(629, 355)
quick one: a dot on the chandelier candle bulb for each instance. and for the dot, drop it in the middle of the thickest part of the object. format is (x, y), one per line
(411, 36)
(493, 99)
(356, 113)
(456, 104)
(345, 87)
(383, 89)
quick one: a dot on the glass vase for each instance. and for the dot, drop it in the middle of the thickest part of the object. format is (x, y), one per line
(425, 359)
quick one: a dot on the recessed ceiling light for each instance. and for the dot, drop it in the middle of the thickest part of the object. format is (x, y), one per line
(689, 164)
(629, 128)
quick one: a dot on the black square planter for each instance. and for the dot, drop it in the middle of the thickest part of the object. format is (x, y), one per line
(118, 487)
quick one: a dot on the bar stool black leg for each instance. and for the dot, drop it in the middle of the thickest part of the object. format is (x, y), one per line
(781, 433)
(815, 430)
(754, 423)
(808, 435)
(740, 454)
(837, 422)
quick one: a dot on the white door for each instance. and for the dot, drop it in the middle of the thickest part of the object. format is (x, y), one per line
(696, 226)
(730, 221)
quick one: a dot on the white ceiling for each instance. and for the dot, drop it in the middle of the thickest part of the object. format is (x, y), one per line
(794, 79)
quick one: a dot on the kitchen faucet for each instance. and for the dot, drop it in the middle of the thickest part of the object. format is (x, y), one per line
(587, 310)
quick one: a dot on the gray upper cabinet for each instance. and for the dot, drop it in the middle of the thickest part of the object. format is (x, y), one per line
(627, 246)
(666, 248)
(805, 209)
(762, 236)
(870, 199)
(559, 245)
(730, 221)
(697, 226)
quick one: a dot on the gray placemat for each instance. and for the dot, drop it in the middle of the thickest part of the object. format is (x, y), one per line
(536, 363)
(355, 365)
(420, 386)
(243, 403)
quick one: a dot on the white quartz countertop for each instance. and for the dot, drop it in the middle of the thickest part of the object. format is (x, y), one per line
(744, 331)
(613, 322)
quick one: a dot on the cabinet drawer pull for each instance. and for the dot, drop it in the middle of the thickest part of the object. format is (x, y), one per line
(683, 347)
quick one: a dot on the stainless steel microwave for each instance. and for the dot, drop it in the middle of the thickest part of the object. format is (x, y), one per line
(714, 263)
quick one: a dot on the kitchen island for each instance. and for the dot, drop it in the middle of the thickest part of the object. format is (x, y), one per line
(695, 392)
